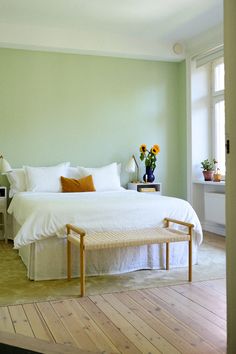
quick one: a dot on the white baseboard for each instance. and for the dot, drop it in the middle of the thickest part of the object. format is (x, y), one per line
(213, 227)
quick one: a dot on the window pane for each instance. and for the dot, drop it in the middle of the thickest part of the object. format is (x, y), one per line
(219, 73)
(220, 135)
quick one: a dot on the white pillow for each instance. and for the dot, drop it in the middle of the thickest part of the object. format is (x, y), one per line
(106, 178)
(17, 181)
(72, 172)
(45, 179)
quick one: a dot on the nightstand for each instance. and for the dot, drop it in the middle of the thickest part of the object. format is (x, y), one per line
(3, 210)
(145, 187)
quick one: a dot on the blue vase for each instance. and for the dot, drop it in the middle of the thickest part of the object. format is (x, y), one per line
(149, 176)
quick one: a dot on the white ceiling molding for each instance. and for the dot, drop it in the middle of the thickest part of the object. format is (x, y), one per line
(212, 38)
(61, 40)
(150, 29)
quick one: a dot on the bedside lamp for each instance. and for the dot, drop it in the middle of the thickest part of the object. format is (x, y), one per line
(132, 166)
(4, 166)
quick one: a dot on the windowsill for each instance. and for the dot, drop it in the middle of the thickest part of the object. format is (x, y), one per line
(221, 183)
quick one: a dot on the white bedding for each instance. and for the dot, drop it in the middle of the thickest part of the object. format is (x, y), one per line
(43, 215)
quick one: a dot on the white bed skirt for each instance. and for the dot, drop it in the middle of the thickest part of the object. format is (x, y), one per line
(46, 259)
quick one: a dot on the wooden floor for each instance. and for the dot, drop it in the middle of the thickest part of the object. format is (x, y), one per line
(189, 318)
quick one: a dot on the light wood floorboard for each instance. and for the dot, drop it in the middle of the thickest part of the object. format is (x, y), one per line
(187, 319)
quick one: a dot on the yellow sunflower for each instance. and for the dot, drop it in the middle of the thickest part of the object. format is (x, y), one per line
(143, 148)
(155, 149)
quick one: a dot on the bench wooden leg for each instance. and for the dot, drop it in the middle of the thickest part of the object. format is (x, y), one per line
(190, 255)
(68, 260)
(167, 256)
(82, 268)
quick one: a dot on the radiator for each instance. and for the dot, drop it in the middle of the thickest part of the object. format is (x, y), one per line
(215, 207)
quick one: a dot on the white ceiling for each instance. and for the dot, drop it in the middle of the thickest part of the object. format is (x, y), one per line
(131, 28)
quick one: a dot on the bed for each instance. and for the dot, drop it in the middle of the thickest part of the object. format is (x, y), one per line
(40, 235)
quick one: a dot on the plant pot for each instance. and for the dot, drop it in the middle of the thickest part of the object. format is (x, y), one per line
(149, 176)
(208, 175)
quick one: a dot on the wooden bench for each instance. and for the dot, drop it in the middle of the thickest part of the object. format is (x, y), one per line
(128, 238)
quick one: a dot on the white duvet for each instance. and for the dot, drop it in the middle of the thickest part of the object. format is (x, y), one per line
(42, 215)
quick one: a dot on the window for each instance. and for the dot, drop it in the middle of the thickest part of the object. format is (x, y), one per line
(218, 113)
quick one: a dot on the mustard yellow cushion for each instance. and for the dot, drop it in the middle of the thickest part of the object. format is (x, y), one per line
(84, 184)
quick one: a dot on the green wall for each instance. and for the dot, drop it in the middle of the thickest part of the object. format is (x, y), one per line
(92, 111)
(182, 167)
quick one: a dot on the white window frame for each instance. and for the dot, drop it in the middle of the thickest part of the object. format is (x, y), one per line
(216, 96)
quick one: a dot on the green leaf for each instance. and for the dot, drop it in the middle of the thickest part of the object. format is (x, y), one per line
(141, 156)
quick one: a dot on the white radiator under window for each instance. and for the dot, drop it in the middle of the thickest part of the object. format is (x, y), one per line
(215, 207)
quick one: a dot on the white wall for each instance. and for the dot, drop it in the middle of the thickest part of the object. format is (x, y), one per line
(197, 45)
(199, 125)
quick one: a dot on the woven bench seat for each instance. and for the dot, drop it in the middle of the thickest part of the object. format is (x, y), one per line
(127, 238)
(114, 239)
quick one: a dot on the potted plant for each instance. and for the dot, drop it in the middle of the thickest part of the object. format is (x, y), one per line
(208, 169)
